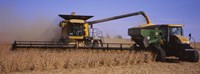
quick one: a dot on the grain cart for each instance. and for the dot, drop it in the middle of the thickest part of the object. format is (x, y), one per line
(165, 40)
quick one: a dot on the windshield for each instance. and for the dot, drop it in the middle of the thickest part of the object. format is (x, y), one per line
(76, 29)
(176, 31)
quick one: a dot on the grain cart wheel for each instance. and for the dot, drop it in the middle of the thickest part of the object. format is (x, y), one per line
(95, 43)
(194, 56)
(161, 54)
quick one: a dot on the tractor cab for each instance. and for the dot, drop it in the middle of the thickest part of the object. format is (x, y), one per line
(74, 27)
(176, 30)
(171, 33)
(176, 34)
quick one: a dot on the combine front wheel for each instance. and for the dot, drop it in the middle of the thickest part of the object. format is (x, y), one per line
(95, 43)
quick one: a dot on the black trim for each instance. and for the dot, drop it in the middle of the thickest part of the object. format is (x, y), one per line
(68, 17)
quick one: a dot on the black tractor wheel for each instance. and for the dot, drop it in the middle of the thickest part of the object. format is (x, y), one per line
(194, 56)
(161, 54)
(182, 58)
(95, 43)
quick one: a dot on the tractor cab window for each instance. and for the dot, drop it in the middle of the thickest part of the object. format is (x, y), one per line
(176, 31)
(76, 29)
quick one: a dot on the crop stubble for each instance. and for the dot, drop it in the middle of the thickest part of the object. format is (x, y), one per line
(40, 59)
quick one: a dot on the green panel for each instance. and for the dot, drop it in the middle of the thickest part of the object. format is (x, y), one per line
(152, 35)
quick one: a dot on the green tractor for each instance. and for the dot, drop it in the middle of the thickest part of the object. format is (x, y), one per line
(166, 40)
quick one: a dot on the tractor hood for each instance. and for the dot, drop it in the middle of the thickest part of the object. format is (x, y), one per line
(182, 39)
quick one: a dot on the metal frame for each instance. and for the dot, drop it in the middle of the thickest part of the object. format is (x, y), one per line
(56, 44)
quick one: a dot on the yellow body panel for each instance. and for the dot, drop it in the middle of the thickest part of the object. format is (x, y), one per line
(182, 39)
(175, 25)
(86, 29)
(77, 21)
(75, 37)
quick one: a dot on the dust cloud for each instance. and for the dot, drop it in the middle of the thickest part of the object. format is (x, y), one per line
(14, 26)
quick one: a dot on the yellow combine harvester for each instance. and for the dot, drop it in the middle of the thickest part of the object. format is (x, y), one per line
(164, 39)
(77, 32)
(75, 29)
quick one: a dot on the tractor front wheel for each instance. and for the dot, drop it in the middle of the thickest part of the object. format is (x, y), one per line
(194, 56)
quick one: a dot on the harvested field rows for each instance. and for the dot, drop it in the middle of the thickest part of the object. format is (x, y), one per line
(36, 59)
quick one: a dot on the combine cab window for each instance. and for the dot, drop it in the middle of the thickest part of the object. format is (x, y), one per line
(76, 29)
(176, 31)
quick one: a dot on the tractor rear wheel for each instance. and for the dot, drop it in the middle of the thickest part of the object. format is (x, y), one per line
(161, 54)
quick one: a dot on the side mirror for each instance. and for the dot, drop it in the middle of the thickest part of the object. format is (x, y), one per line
(190, 36)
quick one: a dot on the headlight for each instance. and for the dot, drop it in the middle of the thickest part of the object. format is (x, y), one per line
(148, 37)
(188, 42)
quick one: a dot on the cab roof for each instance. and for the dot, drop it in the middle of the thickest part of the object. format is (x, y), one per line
(175, 25)
(169, 25)
(68, 17)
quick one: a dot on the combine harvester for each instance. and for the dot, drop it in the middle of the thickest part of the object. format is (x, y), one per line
(77, 33)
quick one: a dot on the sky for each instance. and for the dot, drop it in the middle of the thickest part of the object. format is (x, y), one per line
(38, 19)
